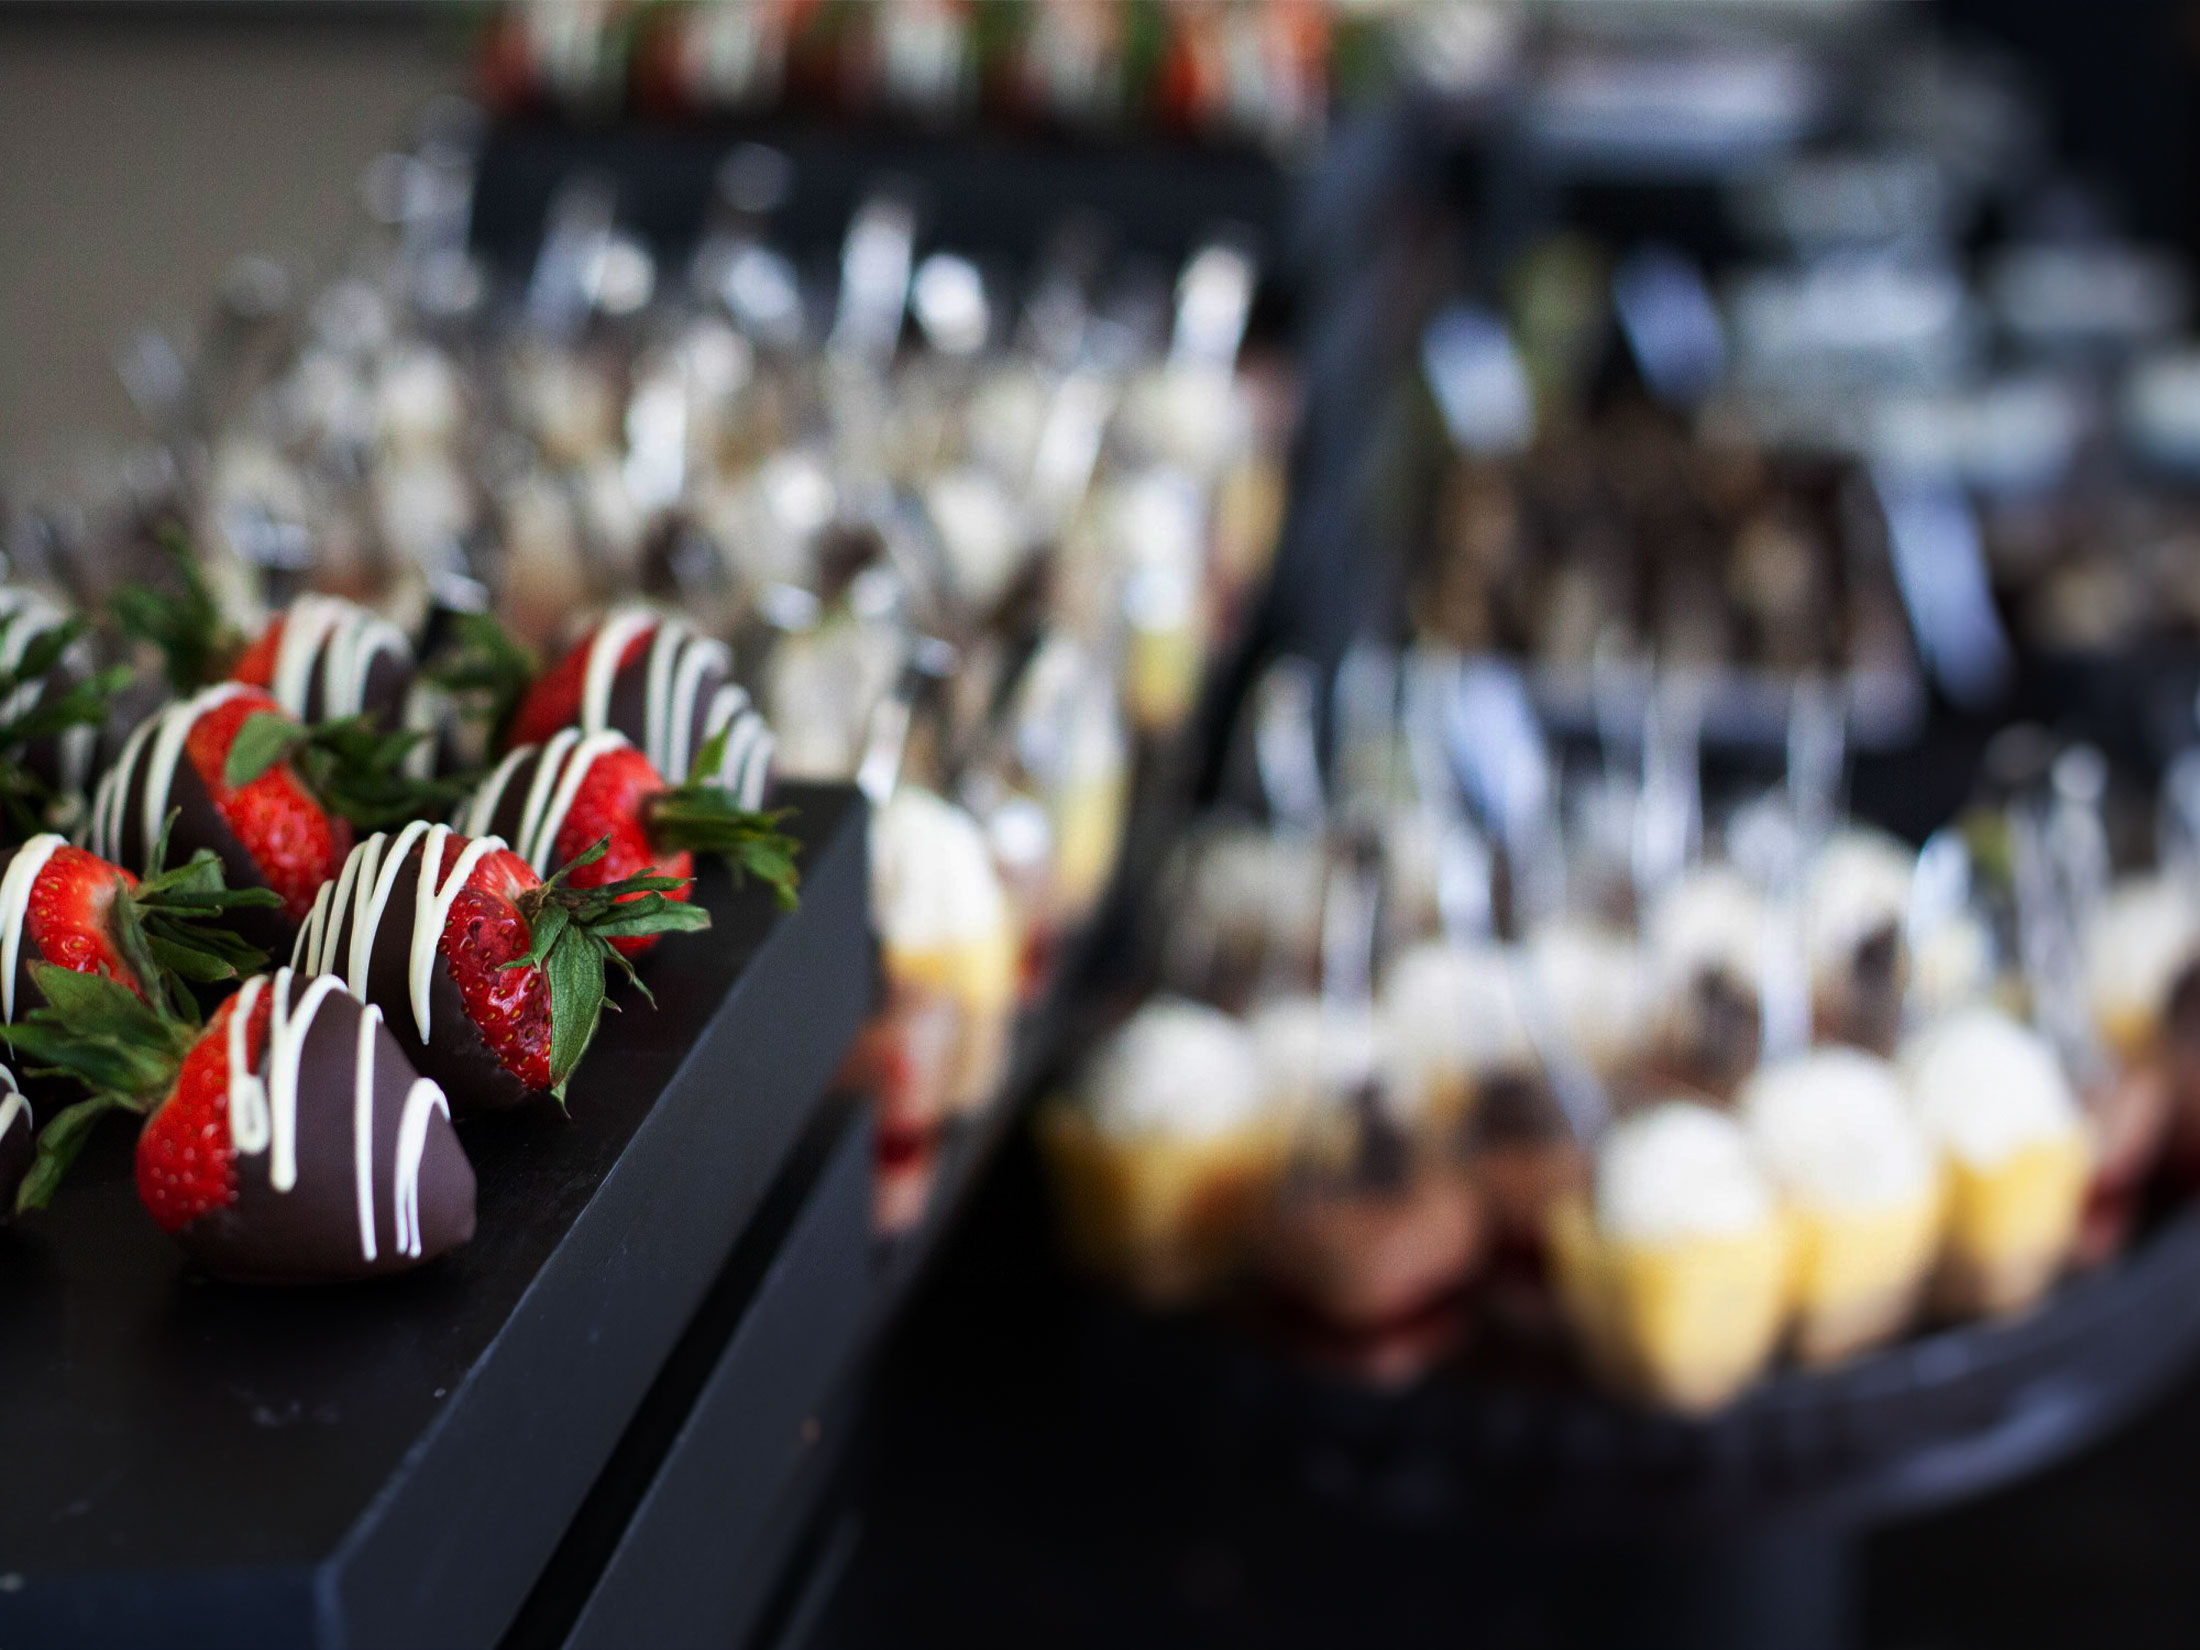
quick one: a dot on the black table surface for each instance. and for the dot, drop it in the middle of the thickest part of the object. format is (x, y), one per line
(364, 1463)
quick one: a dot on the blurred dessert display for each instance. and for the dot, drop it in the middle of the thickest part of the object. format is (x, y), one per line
(1693, 1075)
(1259, 72)
(967, 535)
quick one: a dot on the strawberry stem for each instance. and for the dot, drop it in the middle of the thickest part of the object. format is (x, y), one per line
(356, 769)
(97, 1031)
(197, 644)
(702, 817)
(570, 931)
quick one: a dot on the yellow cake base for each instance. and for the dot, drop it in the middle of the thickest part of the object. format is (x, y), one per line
(1686, 1324)
(2011, 1227)
(1859, 1275)
(1164, 1219)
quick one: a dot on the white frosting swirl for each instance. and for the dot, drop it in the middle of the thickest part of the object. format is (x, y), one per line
(1833, 1130)
(932, 880)
(1679, 1170)
(1986, 1087)
(1177, 1069)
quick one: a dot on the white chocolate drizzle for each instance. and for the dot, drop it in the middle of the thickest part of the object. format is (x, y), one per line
(263, 1108)
(412, 1144)
(15, 903)
(164, 732)
(680, 659)
(362, 1125)
(344, 639)
(13, 1106)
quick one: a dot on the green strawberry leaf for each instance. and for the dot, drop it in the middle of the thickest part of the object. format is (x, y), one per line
(98, 1032)
(197, 644)
(267, 737)
(358, 771)
(59, 1144)
(574, 972)
(486, 671)
(28, 803)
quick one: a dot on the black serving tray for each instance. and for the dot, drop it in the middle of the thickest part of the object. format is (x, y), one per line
(394, 1463)
(1920, 1425)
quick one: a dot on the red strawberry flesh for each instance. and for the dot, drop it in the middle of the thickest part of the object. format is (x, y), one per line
(612, 806)
(510, 1007)
(554, 701)
(186, 1166)
(67, 917)
(296, 846)
(255, 667)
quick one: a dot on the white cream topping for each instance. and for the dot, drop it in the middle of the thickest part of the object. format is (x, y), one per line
(1986, 1087)
(432, 904)
(1859, 887)
(1834, 1131)
(165, 732)
(1679, 1170)
(932, 880)
(344, 639)
(480, 811)
(2144, 935)
(1453, 1011)
(1176, 1069)
(1708, 922)
(565, 762)
(678, 661)
(15, 904)
(25, 616)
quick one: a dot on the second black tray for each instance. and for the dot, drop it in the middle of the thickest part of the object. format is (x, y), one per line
(393, 1464)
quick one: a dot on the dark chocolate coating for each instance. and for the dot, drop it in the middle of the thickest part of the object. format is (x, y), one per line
(456, 1055)
(505, 821)
(389, 679)
(310, 1234)
(16, 1152)
(199, 824)
(627, 710)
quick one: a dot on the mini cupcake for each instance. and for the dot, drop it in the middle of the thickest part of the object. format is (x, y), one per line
(1451, 1019)
(1862, 1187)
(1991, 1095)
(1163, 1162)
(1854, 906)
(2140, 944)
(1706, 936)
(1676, 1274)
(1248, 915)
(1371, 1242)
(951, 952)
(1596, 989)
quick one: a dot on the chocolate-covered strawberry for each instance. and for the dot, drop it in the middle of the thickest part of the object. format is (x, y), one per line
(52, 704)
(64, 906)
(555, 801)
(288, 1141)
(491, 977)
(323, 658)
(274, 799)
(268, 828)
(664, 685)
